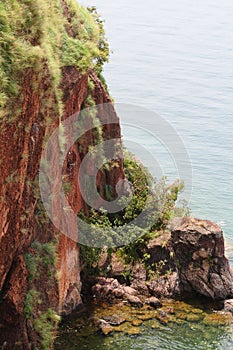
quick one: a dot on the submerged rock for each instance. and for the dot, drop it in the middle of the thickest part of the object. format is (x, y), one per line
(134, 331)
(105, 327)
(162, 317)
(137, 322)
(217, 319)
(114, 320)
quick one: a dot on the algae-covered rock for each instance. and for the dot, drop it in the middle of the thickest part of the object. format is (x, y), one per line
(217, 319)
(105, 327)
(197, 311)
(114, 320)
(137, 322)
(134, 331)
(162, 317)
(168, 309)
(176, 320)
(124, 327)
(193, 317)
(155, 325)
(146, 316)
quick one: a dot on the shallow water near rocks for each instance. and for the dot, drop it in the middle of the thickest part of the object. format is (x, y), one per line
(177, 325)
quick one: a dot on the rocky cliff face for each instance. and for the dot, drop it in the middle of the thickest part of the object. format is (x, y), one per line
(39, 267)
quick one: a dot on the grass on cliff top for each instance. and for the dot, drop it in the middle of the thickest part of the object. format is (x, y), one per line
(35, 34)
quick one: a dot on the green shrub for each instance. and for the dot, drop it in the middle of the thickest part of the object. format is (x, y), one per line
(103, 45)
(154, 198)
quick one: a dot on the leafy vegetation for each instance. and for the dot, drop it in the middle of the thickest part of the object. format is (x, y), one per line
(154, 200)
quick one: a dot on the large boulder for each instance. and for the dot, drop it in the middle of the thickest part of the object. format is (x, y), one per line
(199, 255)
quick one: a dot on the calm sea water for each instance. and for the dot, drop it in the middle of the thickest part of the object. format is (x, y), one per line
(176, 58)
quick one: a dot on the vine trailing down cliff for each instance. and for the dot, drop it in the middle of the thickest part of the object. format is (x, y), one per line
(51, 55)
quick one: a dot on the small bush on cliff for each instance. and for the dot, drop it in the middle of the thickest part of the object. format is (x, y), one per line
(89, 256)
(154, 200)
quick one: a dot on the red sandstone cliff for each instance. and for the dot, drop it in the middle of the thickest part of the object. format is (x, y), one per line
(39, 267)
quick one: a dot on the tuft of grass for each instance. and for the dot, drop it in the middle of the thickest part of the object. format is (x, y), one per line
(45, 327)
(42, 256)
(31, 301)
(41, 265)
(37, 35)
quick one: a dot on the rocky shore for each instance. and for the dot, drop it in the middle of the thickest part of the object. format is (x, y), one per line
(188, 261)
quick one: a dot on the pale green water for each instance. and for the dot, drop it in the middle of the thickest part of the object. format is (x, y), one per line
(187, 337)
